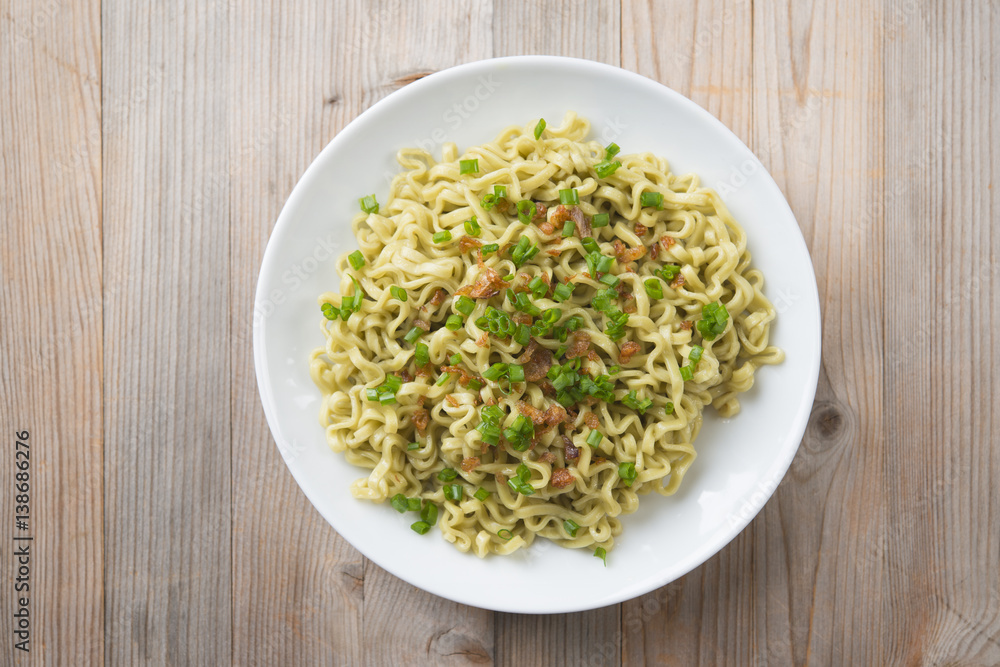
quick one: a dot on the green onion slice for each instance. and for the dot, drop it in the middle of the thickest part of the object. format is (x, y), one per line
(368, 204)
(468, 166)
(651, 199)
(356, 259)
(539, 128)
(569, 197)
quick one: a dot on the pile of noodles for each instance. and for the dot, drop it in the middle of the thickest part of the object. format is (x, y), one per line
(423, 437)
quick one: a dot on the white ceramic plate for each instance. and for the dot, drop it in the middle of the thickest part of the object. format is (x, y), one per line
(740, 461)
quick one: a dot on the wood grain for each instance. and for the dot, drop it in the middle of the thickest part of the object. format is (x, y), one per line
(167, 382)
(941, 538)
(704, 51)
(51, 327)
(146, 152)
(298, 588)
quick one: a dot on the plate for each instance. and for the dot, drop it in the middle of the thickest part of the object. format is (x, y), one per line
(740, 461)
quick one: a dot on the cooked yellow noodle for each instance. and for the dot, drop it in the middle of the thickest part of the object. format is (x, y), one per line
(430, 196)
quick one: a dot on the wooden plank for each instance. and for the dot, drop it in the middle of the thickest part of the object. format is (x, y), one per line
(298, 588)
(818, 128)
(784, 590)
(587, 29)
(167, 429)
(408, 40)
(704, 51)
(941, 541)
(51, 329)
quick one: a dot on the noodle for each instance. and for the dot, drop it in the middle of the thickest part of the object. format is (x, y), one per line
(679, 310)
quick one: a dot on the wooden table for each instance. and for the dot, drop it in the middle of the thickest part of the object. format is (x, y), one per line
(146, 151)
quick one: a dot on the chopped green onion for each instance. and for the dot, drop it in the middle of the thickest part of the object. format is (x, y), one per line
(522, 334)
(413, 334)
(492, 414)
(330, 311)
(468, 166)
(447, 474)
(539, 128)
(639, 404)
(441, 237)
(504, 534)
(490, 248)
(590, 245)
(610, 279)
(686, 373)
(372, 394)
(606, 168)
(626, 470)
(614, 370)
(500, 191)
(538, 287)
(465, 305)
(356, 259)
(400, 503)
(611, 150)
(413, 446)
(695, 354)
(369, 204)
(388, 398)
(475, 385)
(429, 513)
(481, 494)
(668, 272)
(455, 359)
(509, 278)
(595, 438)
(551, 315)
(421, 527)
(488, 201)
(517, 486)
(569, 197)
(571, 527)
(398, 293)
(453, 492)
(563, 291)
(454, 322)
(413, 504)
(422, 354)
(653, 288)
(495, 372)
(472, 227)
(713, 322)
(523, 473)
(669, 408)
(443, 380)
(516, 373)
(525, 211)
(568, 228)
(600, 220)
(651, 199)
(489, 432)
(601, 553)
